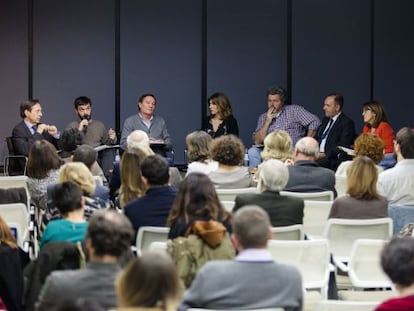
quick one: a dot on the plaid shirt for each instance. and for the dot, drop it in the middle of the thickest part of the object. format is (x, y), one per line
(293, 119)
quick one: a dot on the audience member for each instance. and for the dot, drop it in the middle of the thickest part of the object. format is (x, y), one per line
(306, 175)
(366, 144)
(228, 151)
(145, 120)
(153, 208)
(43, 168)
(198, 144)
(397, 183)
(109, 236)
(278, 145)
(294, 119)
(336, 130)
(397, 261)
(149, 282)
(282, 210)
(363, 200)
(251, 281)
(67, 198)
(68, 142)
(221, 120)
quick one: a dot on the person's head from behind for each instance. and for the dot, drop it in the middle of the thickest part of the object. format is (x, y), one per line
(79, 174)
(307, 148)
(404, 143)
(83, 107)
(373, 113)
(362, 177)
(109, 235)
(277, 145)
(220, 105)
(130, 170)
(370, 145)
(198, 144)
(333, 104)
(139, 140)
(276, 98)
(196, 196)
(146, 104)
(227, 150)
(251, 228)
(274, 175)
(31, 111)
(149, 281)
(397, 261)
(69, 140)
(85, 154)
(42, 158)
(67, 197)
(155, 171)
(6, 235)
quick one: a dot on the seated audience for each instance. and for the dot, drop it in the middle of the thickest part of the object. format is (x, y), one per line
(67, 144)
(397, 183)
(198, 153)
(282, 210)
(397, 261)
(306, 175)
(109, 236)
(67, 197)
(366, 144)
(149, 282)
(228, 151)
(251, 281)
(196, 200)
(363, 200)
(42, 169)
(153, 208)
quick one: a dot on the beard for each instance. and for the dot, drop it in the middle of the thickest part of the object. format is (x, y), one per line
(85, 116)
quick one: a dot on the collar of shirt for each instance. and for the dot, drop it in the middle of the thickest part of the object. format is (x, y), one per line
(255, 255)
(30, 126)
(146, 122)
(334, 118)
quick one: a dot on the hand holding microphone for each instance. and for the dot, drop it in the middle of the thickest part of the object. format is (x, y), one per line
(83, 124)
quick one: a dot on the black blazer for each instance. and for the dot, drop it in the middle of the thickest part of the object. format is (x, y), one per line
(342, 133)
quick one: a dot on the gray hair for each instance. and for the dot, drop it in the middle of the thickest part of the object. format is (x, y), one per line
(274, 175)
(307, 146)
(137, 139)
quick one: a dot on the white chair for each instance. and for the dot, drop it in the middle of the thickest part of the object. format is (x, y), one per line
(19, 181)
(158, 246)
(315, 215)
(230, 194)
(293, 232)
(16, 215)
(342, 233)
(340, 185)
(148, 234)
(314, 196)
(311, 257)
(228, 205)
(341, 305)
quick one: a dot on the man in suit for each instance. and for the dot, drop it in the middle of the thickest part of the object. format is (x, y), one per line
(306, 175)
(253, 280)
(336, 130)
(109, 236)
(282, 210)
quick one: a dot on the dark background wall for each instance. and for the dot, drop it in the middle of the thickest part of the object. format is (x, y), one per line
(184, 50)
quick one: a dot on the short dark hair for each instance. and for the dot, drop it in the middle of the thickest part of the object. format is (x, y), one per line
(85, 154)
(405, 138)
(69, 139)
(397, 260)
(155, 169)
(276, 90)
(27, 105)
(82, 101)
(141, 98)
(338, 99)
(110, 233)
(66, 197)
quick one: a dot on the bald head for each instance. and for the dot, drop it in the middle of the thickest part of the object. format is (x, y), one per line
(307, 148)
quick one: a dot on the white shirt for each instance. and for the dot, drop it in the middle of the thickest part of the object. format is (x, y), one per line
(202, 167)
(397, 183)
(323, 141)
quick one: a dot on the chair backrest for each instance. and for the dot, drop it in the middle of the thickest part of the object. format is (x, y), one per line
(314, 196)
(293, 232)
(400, 215)
(13, 164)
(148, 234)
(342, 233)
(343, 305)
(230, 194)
(340, 185)
(315, 214)
(16, 214)
(364, 264)
(311, 257)
(20, 181)
(158, 246)
(228, 205)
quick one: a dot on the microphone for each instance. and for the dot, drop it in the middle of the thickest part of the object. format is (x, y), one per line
(85, 126)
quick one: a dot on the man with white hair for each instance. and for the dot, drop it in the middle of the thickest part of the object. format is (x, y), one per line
(282, 210)
(139, 140)
(306, 175)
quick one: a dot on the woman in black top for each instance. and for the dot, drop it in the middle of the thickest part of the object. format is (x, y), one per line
(221, 120)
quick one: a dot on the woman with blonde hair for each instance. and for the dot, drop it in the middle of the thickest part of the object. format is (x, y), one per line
(198, 143)
(362, 200)
(149, 282)
(278, 145)
(221, 120)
